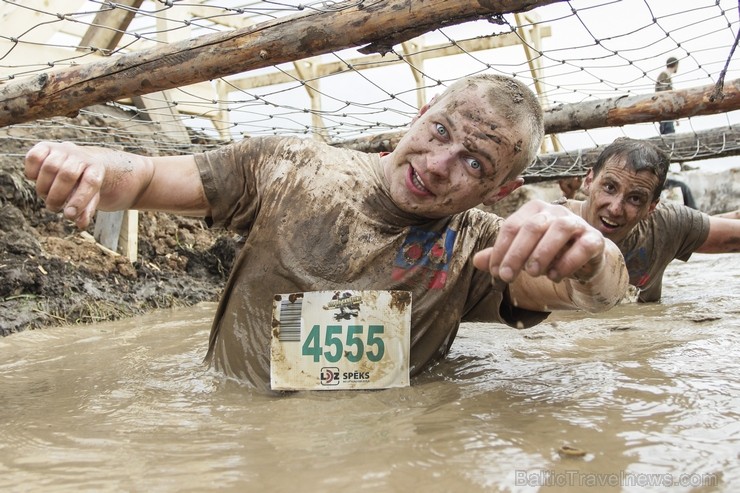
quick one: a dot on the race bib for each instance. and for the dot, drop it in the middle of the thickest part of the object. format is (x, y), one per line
(340, 340)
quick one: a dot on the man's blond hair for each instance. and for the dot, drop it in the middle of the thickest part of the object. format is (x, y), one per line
(517, 104)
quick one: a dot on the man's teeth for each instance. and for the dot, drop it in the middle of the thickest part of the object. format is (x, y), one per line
(417, 182)
(609, 223)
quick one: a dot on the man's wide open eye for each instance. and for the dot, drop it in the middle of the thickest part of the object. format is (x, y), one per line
(441, 130)
(473, 163)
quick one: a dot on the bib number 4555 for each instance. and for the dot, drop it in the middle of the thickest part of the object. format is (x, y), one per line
(351, 345)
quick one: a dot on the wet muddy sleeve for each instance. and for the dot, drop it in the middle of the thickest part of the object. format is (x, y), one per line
(495, 306)
(230, 185)
(696, 227)
(489, 301)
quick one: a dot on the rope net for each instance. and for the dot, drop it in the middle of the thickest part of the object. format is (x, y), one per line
(569, 53)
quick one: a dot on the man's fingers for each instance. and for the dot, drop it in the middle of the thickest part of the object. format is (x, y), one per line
(482, 259)
(513, 249)
(579, 259)
(82, 220)
(64, 182)
(85, 194)
(559, 248)
(543, 239)
(34, 158)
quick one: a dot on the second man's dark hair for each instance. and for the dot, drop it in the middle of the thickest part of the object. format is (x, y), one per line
(639, 155)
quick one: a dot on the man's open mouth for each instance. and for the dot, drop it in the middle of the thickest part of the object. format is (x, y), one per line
(417, 182)
(608, 223)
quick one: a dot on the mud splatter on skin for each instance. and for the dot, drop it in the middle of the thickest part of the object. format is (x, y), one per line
(516, 94)
(474, 132)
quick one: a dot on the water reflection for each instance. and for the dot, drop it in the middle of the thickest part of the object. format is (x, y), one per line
(650, 395)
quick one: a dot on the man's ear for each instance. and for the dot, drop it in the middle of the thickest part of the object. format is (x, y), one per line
(502, 191)
(586, 187)
(423, 110)
(653, 205)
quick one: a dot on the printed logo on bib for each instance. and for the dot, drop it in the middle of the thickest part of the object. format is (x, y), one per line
(426, 253)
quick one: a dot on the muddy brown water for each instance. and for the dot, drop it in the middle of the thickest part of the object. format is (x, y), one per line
(643, 398)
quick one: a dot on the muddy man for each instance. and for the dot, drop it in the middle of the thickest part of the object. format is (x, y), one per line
(317, 217)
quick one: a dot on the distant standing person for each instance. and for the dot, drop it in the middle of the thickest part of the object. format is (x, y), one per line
(664, 83)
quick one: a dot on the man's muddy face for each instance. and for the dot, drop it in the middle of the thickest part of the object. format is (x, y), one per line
(618, 198)
(455, 156)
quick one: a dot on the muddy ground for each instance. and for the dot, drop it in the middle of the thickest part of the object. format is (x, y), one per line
(52, 274)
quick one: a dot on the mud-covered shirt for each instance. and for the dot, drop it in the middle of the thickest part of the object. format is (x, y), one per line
(671, 231)
(316, 217)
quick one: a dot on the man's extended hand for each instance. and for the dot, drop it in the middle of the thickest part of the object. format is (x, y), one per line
(80, 179)
(67, 177)
(543, 239)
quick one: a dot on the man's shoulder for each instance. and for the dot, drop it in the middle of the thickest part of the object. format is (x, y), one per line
(294, 149)
(677, 210)
(663, 83)
(282, 141)
(670, 219)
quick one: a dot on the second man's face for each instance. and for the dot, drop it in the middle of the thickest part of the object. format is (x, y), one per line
(618, 198)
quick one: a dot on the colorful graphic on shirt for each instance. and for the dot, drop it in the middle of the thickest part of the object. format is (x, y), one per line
(638, 266)
(427, 253)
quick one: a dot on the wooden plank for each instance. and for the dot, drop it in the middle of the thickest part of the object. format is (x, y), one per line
(214, 55)
(609, 112)
(128, 239)
(108, 228)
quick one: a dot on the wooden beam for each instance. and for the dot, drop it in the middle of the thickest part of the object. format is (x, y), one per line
(626, 110)
(375, 61)
(110, 24)
(612, 112)
(306, 70)
(684, 147)
(377, 26)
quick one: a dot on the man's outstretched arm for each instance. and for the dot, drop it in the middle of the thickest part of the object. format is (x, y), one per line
(554, 260)
(724, 234)
(78, 180)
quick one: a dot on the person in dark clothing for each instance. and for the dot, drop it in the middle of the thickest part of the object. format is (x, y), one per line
(664, 83)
